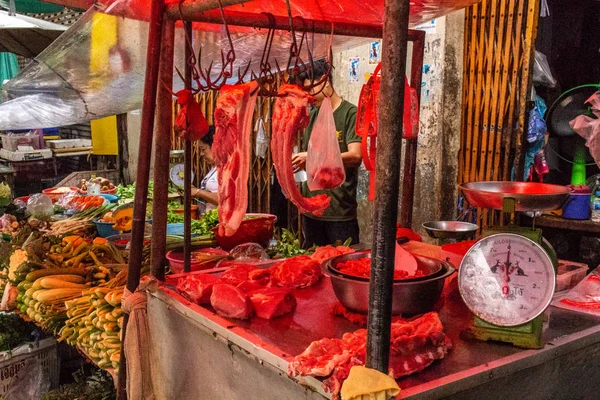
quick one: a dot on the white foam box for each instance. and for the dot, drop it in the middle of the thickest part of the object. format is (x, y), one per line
(64, 143)
(28, 155)
(43, 352)
(569, 274)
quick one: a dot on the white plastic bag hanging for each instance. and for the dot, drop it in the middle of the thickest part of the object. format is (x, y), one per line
(324, 165)
(262, 140)
(588, 126)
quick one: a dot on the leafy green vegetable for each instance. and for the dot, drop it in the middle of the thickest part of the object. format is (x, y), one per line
(13, 331)
(98, 386)
(127, 192)
(287, 245)
(204, 225)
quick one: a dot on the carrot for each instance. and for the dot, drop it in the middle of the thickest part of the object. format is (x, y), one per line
(99, 240)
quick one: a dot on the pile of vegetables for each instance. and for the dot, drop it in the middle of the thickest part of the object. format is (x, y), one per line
(172, 216)
(98, 386)
(105, 184)
(94, 324)
(78, 224)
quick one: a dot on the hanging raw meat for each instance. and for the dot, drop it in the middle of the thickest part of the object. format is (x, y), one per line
(190, 123)
(290, 116)
(231, 148)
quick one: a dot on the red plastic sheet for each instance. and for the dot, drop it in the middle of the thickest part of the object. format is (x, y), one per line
(346, 11)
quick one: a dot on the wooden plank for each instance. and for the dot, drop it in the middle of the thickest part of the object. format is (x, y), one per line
(489, 37)
(516, 54)
(471, 91)
(532, 10)
(477, 128)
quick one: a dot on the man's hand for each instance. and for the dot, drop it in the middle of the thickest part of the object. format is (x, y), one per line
(299, 161)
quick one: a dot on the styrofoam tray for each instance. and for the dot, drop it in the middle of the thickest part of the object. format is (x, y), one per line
(25, 155)
(68, 143)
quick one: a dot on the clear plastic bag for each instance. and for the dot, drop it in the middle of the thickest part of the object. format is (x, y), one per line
(324, 165)
(262, 140)
(584, 297)
(40, 206)
(542, 74)
(588, 127)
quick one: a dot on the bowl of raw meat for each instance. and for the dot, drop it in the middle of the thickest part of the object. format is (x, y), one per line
(412, 295)
(255, 228)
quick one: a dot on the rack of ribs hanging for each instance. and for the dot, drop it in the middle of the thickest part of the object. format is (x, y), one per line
(367, 121)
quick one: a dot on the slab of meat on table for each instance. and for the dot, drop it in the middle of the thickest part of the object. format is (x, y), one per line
(230, 302)
(238, 274)
(414, 345)
(231, 148)
(290, 116)
(197, 288)
(296, 272)
(324, 253)
(271, 303)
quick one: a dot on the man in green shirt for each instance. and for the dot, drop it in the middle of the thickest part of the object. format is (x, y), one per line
(339, 221)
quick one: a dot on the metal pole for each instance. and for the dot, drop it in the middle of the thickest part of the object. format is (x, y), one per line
(164, 121)
(410, 152)
(236, 18)
(389, 144)
(187, 169)
(143, 171)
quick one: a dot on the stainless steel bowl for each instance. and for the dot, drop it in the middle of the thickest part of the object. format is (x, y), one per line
(450, 229)
(528, 196)
(409, 298)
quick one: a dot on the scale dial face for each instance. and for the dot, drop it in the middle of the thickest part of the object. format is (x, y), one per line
(507, 279)
(176, 174)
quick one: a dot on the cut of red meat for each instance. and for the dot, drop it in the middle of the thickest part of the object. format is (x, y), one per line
(290, 116)
(229, 301)
(296, 272)
(329, 177)
(324, 253)
(271, 303)
(320, 358)
(414, 346)
(231, 148)
(249, 286)
(238, 274)
(340, 311)
(261, 276)
(197, 288)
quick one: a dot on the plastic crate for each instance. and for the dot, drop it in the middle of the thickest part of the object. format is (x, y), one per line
(43, 352)
(13, 141)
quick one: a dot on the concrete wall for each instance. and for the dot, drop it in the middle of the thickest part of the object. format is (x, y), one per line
(440, 116)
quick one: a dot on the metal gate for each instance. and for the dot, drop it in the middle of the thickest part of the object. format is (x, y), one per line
(499, 48)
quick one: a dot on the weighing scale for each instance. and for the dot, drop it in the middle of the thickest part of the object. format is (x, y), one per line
(176, 173)
(507, 279)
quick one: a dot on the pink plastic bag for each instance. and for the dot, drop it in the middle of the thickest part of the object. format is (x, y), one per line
(589, 128)
(324, 166)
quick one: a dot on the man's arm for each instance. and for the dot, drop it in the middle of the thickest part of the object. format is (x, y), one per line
(353, 157)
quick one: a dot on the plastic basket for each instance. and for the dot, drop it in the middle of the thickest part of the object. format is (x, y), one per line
(43, 352)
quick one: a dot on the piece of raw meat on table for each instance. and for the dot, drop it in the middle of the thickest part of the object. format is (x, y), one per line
(296, 272)
(271, 303)
(229, 301)
(197, 288)
(290, 116)
(231, 148)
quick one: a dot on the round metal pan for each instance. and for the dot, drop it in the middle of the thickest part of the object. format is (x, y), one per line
(450, 229)
(528, 196)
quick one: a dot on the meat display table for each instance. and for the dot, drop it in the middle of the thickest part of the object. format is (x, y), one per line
(200, 355)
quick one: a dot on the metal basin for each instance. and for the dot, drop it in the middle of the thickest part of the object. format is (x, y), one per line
(528, 196)
(409, 297)
(450, 229)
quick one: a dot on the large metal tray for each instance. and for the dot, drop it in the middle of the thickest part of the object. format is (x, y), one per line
(528, 196)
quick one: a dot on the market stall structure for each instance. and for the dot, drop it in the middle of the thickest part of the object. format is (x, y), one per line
(260, 352)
